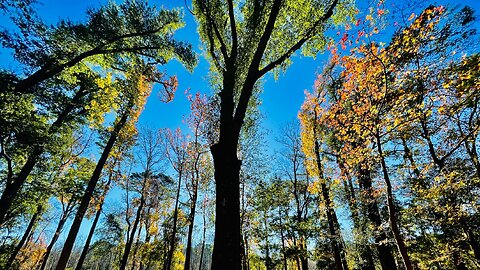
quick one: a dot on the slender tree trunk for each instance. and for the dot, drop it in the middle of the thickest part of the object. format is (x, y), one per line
(392, 213)
(200, 266)
(190, 231)
(337, 247)
(135, 249)
(60, 225)
(297, 258)
(268, 259)
(25, 236)
(247, 252)
(365, 258)
(11, 189)
(244, 254)
(282, 239)
(387, 260)
(171, 250)
(72, 234)
(304, 258)
(148, 236)
(86, 247)
(128, 245)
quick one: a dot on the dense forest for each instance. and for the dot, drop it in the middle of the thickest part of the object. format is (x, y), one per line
(379, 170)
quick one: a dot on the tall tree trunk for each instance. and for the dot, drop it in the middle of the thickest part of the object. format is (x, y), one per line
(86, 247)
(12, 188)
(385, 255)
(226, 250)
(171, 249)
(244, 253)
(131, 239)
(58, 230)
(82, 209)
(200, 266)
(282, 238)
(297, 258)
(247, 252)
(268, 259)
(25, 236)
(392, 213)
(135, 249)
(304, 257)
(190, 231)
(365, 256)
(336, 241)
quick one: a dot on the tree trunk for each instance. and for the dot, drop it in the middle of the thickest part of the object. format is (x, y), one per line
(171, 250)
(25, 236)
(226, 250)
(190, 231)
(72, 234)
(247, 252)
(200, 266)
(128, 245)
(62, 221)
(244, 253)
(304, 257)
(336, 242)
(86, 247)
(282, 238)
(135, 249)
(387, 261)
(365, 257)
(392, 213)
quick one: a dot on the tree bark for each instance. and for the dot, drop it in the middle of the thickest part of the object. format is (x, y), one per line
(60, 225)
(72, 234)
(131, 239)
(226, 250)
(365, 258)
(86, 247)
(200, 266)
(135, 249)
(387, 260)
(171, 250)
(392, 213)
(190, 231)
(336, 241)
(282, 238)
